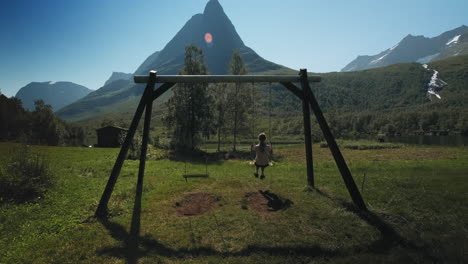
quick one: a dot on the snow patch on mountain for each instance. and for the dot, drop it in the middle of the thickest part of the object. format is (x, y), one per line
(454, 40)
(383, 56)
(377, 60)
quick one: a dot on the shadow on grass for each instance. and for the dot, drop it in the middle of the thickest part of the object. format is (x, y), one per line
(136, 246)
(131, 239)
(276, 202)
(148, 246)
(389, 236)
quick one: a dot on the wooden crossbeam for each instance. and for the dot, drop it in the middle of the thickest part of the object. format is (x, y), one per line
(225, 78)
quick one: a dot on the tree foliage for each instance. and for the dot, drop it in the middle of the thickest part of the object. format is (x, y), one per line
(220, 98)
(189, 109)
(239, 100)
(40, 126)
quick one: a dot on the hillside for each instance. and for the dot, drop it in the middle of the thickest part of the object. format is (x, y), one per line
(397, 87)
(395, 99)
(57, 94)
(117, 96)
(391, 99)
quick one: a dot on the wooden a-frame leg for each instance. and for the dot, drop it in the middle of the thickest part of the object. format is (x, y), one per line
(340, 162)
(308, 137)
(101, 210)
(144, 142)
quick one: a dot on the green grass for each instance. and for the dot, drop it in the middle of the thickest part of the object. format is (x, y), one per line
(416, 196)
(363, 144)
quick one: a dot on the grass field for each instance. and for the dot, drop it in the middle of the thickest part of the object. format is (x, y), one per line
(416, 197)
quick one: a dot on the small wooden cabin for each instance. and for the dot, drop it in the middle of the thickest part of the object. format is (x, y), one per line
(110, 136)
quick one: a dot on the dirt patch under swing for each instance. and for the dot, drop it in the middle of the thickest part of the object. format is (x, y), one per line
(196, 203)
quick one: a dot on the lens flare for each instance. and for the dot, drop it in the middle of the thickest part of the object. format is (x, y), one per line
(208, 38)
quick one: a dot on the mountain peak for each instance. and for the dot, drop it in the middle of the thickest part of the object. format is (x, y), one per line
(213, 7)
(118, 76)
(214, 24)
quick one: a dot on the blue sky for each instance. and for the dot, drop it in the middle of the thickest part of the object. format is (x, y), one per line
(85, 41)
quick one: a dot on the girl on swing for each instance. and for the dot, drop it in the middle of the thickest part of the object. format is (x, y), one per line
(263, 152)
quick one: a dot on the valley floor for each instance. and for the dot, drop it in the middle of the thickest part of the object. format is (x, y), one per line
(416, 197)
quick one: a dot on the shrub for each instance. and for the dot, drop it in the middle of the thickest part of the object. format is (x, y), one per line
(26, 176)
(135, 148)
(161, 142)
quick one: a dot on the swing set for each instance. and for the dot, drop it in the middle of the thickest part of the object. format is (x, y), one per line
(167, 81)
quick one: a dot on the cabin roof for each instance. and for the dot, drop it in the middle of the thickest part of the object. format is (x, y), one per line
(114, 127)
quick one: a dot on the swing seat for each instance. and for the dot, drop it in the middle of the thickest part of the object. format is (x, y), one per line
(252, 163)
(201, 175)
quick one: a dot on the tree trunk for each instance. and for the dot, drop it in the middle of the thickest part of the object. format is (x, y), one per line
(192, 120)
(236, 105)
(235, 132)
(219, 139)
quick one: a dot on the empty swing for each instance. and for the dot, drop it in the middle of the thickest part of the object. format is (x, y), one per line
(197, 175)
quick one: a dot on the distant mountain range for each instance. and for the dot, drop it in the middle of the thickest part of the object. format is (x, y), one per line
(57, 94)
(124, 94)
(416, 49)
(121, 94)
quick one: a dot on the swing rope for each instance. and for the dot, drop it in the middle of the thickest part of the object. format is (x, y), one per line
(198, 175)
(254, 112)
(269, 114)
(269, 124)
(269, 117)
(254, 115)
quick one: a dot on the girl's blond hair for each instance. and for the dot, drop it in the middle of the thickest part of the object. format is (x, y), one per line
(262, 143)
